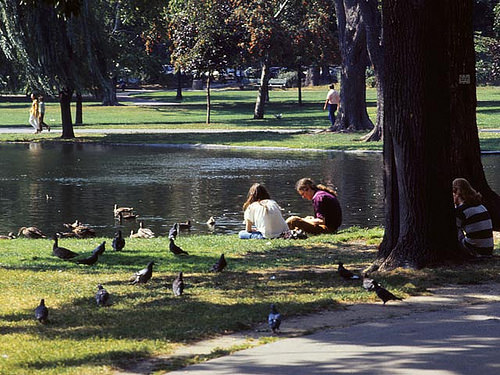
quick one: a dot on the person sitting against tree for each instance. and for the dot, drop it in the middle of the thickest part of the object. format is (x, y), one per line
(262, 215)
(475, 229)
(327, 211)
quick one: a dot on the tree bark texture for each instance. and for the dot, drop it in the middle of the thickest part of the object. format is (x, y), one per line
(178, 96)
(299, 83)
(372, 19)
(352, 115)
(65, 105)
(420, 224)
(466, 158)
(263, 91)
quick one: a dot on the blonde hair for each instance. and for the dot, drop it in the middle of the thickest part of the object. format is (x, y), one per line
(307, 182)
(464, 190)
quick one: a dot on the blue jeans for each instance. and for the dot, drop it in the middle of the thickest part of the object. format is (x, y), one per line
(332, 108)
(244, 235)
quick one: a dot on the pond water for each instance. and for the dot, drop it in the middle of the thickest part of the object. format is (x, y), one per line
(48, 185)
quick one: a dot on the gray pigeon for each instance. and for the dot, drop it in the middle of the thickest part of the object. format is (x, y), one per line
(143, 276)
(274, 319)
(176, 249)
(102, 296)
(90, 260)
(220, 264)
(62, 252)
(41, 312)
(178, 285)
(345, 273)
(99, 250)
(384, 294)
(118, 241)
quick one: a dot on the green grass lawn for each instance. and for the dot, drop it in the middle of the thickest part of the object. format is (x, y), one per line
(232, 109)
(145, 320)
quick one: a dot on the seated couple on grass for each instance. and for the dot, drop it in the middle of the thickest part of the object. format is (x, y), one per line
(263, 218)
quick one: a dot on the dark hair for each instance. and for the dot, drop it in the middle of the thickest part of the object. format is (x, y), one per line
(332, 86)
(306, 182)
(257, 192)
(464, 190)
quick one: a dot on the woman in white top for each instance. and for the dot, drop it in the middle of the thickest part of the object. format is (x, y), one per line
(263, 217)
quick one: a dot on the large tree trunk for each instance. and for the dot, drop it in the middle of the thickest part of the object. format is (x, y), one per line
(418, 123)
(263, 91)
(352, 115)
(373, 25)
(466, 158)
(65, 104)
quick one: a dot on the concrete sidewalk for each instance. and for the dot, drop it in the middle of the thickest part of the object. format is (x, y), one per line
(458, 341)
(456, 330)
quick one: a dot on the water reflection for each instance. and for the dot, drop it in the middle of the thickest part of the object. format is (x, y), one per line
(166, 185)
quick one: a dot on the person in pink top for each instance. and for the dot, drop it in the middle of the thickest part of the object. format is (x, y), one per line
(332, 102)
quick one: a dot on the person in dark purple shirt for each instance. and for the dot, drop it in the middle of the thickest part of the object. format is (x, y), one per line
(327, 212)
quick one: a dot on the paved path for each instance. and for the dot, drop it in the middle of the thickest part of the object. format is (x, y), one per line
(421, 333)
(458, 341)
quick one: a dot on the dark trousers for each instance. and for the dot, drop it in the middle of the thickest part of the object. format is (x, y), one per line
(332, 108)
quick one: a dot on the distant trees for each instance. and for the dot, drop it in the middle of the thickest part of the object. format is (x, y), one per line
(202, 37)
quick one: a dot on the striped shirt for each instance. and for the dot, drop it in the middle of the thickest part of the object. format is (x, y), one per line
(475, 222)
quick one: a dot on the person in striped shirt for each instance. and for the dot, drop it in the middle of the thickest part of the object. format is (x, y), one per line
(475, 229)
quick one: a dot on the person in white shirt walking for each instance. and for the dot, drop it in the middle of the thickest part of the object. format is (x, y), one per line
(332, 102)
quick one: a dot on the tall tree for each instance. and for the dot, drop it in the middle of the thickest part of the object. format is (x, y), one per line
(372, 17)
(203, 41)
(420, 227)
(263, 39)
(424, 145)
(352, 114)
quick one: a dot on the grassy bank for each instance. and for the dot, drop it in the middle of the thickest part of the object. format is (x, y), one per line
(145, 320)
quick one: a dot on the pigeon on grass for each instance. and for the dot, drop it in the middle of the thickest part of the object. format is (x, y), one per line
(220, 264)
(41, 312)
(176, 249)
(102, 296)
(345, 273)
(384, 294)
(178, 285)
(144, 275)
(118, 241)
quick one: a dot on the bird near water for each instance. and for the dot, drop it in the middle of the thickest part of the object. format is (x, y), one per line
(220, 264)
(124, 210)
(176, 249)
(90, 260)
(31, 232)
(368, 283)
(102, 296)
(41, 312)
(345, 273)
(178, 285)
(144, 275)
(384, 294)
(118, 241)
(9, 236)
(274, 319)
(145, 232)
(62, 252)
